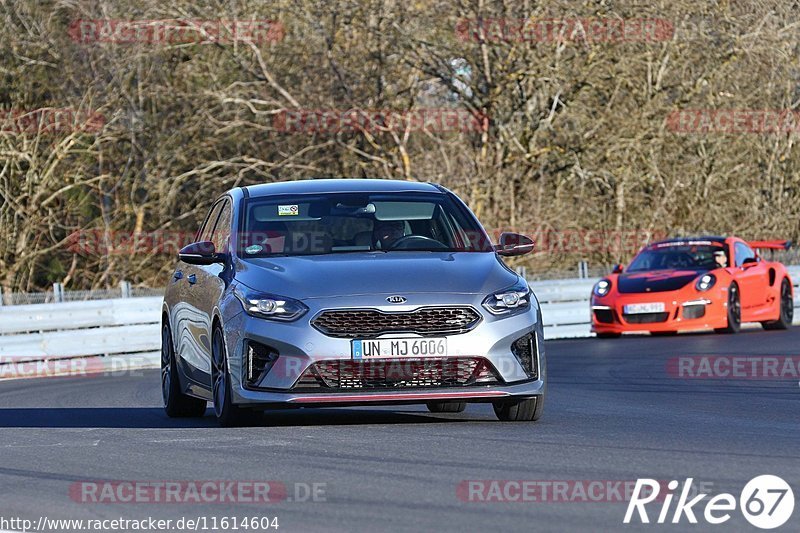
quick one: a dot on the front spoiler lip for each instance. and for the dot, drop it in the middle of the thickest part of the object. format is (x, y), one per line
(517, 390)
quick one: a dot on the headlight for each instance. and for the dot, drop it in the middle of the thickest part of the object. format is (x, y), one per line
(602, 287)
(705, 282)
(269, 306)
(509, 301)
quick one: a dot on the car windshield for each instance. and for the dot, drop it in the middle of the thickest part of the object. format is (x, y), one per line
(347, 222)
(686, 256)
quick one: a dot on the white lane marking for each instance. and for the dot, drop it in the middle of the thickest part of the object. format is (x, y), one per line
(227, 443)
(55, 444)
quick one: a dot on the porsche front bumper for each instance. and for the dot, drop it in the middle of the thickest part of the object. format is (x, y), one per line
(683, 310)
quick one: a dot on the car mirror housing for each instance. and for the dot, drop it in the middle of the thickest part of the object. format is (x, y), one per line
(618, 268)
(511, 244)
(200, 253)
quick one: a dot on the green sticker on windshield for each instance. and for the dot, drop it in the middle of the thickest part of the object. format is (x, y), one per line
(288, 210)
(253, 249)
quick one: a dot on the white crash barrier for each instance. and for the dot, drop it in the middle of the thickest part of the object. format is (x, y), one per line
(132, 325)
(565, 307)
(98, 327)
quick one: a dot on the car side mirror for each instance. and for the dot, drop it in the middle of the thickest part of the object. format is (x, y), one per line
(200, 253)
(618, 268)
(511, 244)
(750, 261)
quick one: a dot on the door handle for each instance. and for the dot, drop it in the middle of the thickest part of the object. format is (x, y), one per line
(178, 275)
(192, 279)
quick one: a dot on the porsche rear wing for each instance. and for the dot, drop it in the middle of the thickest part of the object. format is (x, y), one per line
(770, 245)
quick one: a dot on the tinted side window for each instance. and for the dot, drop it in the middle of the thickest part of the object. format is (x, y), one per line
(742, 252)
(208, 226)
(222, 229)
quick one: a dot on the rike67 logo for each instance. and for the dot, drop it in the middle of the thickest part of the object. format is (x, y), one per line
(766, 502)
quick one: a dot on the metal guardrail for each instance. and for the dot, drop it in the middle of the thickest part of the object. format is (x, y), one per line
(59, 294)
(73, 329)
(131, 325)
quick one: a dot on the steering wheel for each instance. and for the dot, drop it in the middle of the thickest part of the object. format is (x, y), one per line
(403, 242)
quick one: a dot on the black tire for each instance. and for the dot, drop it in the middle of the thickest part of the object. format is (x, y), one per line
(446, 407)
(734, 311)
(786, 309)
(608, 335)
(228, 414)
(520, 410)
(176, 403)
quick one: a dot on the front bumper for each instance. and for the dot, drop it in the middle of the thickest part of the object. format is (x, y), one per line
(684, 310)
(299, 346)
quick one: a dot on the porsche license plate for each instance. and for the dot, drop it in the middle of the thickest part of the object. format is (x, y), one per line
(655, 307)
(399, 348)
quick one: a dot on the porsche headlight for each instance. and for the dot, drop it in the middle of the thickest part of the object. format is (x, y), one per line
(705, 282)
(512, 300)
(602, 287)
(271, 306)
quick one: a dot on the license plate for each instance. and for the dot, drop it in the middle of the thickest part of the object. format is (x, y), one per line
(655, 307)
(399, 348)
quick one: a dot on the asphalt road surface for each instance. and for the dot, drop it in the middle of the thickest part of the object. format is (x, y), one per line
(615, 411)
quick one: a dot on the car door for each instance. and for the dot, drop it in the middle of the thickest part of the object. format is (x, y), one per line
(189, 322)
(208, 289)
(752, 276)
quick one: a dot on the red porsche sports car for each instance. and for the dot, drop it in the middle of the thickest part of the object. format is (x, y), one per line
(694, 283)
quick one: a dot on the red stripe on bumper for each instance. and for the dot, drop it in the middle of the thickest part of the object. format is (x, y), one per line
(388, 397)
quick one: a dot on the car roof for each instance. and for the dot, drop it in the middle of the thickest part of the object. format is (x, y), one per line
(324, 186)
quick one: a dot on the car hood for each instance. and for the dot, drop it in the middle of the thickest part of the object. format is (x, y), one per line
(656, 280)
(325, 276)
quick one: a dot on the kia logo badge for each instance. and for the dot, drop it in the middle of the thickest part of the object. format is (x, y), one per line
(396, 299)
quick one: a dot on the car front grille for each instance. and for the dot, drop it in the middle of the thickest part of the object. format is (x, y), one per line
(368, 323)
(347, 375)
(646, 318)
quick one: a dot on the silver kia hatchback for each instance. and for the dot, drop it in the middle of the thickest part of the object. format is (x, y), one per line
(349, 292)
